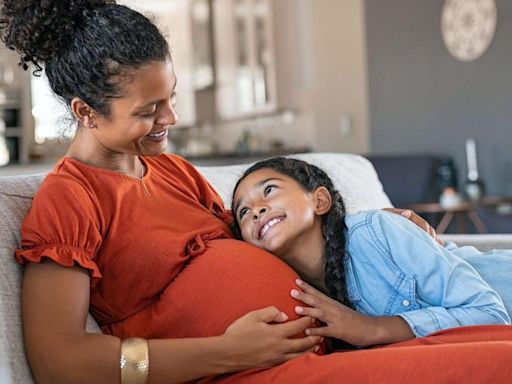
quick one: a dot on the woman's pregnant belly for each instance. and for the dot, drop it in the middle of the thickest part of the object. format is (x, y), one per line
(228, 280)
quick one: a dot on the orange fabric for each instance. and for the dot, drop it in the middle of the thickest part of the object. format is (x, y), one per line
(161, 266)
(480, 354)
(216, 288)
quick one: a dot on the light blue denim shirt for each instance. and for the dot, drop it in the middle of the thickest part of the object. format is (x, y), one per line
(395, 268)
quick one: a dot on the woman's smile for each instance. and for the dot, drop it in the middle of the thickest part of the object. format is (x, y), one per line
(158, 136)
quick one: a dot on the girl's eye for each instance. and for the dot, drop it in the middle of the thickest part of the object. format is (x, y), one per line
(242, 212)
(268, 189)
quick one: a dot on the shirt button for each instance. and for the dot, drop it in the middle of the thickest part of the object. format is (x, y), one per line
(406, 303)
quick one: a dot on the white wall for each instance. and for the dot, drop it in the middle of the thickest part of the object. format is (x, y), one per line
(322, 71)
(340, 70)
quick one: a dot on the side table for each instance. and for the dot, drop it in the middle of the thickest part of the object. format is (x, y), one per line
(465, 210)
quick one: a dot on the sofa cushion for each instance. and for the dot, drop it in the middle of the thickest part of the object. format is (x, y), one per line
(353, 175)
(15, 198)
(16, 193)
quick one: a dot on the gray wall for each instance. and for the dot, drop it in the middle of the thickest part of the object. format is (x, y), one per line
(422, 100)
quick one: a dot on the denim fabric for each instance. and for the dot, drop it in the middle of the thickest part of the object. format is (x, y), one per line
(494, 266)
(395, 268)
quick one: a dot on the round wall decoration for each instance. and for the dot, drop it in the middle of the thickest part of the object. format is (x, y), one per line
(468, 27)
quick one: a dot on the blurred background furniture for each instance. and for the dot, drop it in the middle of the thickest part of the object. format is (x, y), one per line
(462, 213)
(410, 181)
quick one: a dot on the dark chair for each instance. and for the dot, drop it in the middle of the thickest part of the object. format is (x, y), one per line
(408, 179)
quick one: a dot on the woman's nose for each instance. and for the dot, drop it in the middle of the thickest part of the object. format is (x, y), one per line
(168, 117)
(258, 211)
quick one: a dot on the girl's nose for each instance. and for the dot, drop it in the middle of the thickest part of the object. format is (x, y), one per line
(258, 212)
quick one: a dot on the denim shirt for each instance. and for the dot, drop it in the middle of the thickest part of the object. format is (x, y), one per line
(395, 268)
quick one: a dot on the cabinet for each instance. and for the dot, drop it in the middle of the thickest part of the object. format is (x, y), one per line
(244, 57)
(15, 108)
(174, 20)
(224, 46)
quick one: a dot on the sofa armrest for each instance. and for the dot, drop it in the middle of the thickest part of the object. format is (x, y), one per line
(485, 242)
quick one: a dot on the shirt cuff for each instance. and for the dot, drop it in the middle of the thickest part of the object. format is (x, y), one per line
(425, 321)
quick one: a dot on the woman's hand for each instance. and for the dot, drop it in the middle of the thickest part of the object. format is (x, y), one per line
(346, 324)
(418, 220)
(257, 343)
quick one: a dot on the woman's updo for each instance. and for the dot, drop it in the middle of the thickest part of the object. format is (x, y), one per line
(85, 46)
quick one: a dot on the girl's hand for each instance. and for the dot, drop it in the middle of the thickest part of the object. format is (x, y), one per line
(418, 220)
(257, 343)
(340, 321)
(346, 324)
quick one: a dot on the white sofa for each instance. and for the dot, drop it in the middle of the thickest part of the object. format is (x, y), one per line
(353, 175)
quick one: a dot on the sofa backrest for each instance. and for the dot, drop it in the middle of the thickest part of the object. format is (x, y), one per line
(15, 198)
(353, 175)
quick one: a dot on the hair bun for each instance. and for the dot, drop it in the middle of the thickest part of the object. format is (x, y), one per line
(38, 29)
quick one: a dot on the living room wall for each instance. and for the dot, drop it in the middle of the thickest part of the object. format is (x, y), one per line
(422, 100)
(322, 72)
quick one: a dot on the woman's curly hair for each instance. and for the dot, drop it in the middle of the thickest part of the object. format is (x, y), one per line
(310, 177)
(85, 46)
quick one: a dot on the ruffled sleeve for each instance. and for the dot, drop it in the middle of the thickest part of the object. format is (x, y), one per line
(63, 225)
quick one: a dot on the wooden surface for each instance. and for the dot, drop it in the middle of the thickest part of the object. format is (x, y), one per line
(462, 212)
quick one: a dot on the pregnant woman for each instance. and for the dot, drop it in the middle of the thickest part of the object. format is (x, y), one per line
(140, 239)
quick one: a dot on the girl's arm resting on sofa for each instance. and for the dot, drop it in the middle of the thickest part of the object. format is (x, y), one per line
(447, 292)
(55, 308)
(451, 292)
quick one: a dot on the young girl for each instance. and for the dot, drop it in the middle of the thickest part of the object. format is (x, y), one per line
(390, 280)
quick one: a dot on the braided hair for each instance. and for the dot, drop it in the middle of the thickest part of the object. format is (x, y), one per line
(87, 47)
(311, 177)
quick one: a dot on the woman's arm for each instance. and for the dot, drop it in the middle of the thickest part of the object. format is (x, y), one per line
(55, 308)
(418, 220)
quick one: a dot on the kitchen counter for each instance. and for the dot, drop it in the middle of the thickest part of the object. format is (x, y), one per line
(229, 158)
(225, 158)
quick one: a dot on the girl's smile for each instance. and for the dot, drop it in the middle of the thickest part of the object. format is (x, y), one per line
(276, 213)
(268, 224)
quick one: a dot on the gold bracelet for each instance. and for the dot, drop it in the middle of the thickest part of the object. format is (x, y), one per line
(134, 361)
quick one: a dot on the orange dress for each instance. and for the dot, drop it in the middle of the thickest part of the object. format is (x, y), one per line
(163, 264)
(159, 262)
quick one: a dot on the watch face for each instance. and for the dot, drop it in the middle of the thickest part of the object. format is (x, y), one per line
(468, 27)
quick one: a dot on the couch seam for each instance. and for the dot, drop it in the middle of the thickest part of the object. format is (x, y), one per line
(16, 195)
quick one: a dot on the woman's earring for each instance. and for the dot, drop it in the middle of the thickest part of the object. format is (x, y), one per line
(89, 121)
